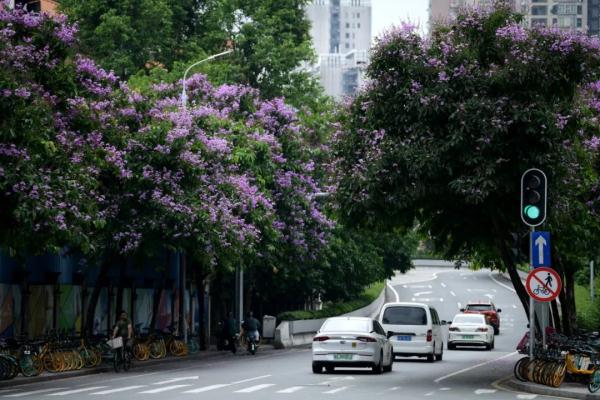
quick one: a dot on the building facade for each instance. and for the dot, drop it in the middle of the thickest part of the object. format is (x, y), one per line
(341, 34)
(593, 17)
(46, 6)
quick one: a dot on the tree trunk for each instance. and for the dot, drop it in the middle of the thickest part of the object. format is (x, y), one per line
(201, 290)
(100, 282)
(515, 278)
(556, 316)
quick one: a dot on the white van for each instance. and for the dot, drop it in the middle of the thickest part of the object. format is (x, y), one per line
(414, 329)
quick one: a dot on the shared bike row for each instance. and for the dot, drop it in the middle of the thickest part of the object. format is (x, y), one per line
(574, 359)
(59, 352)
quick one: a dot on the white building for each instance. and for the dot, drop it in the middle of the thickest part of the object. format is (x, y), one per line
(341, 34)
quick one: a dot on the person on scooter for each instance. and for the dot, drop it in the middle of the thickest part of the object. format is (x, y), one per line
(251, 327)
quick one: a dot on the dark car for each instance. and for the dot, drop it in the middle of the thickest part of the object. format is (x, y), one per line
(486, 308)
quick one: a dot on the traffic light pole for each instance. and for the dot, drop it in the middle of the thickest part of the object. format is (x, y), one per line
(531, 304)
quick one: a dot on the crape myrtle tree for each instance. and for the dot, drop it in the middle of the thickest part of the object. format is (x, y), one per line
(447, 125)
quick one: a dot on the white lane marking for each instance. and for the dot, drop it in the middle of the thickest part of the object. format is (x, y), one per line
(476, 290)
(394, 388)
(452, 293)
(417, 286)
(65, 393)
(527, 396)
(394, 291)
(441, 299)
(424, 299)
(430, 394)
(164, 389)
(485, 391)
(459, 305)
(502, 284)
(208, 388)
(123, 389)
(340, 389)
(250, 379)
(33, 392)
(420, 293)
(255, 388)
(291, 389)
(514, 306)
(4, 391)
(474, 366)
(443, 284)
(491, 296)
(185, 378)
(445, 388)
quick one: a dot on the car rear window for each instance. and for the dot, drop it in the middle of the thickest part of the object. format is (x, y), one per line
(479, 307)
(468, 319)
(346, 325)
(405, 315)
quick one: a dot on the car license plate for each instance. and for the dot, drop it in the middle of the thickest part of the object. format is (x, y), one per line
(404, 338)
(342, 356)
(27, 352)
(468, 336)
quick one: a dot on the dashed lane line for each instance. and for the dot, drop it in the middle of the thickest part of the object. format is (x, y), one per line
(485, 391)
(208, 388)
(443, 284)
(291, 389)
(255, 388)
(122, 389)
(251, 379)
(452, 293)
(474, 366)
(75, 391)
(164, 389)
(340, 389)
(184, 378)
(527, 396)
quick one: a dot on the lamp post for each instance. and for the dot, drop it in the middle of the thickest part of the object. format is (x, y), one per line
(183, 92)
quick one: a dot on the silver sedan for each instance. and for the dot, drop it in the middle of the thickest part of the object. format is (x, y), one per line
(470, 329)
(351, 342)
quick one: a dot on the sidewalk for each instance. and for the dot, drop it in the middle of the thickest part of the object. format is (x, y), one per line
(211, 353)
(566, 390)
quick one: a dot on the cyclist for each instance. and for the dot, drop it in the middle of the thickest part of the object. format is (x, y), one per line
(251, 327)
(230, 330)
(124, 329)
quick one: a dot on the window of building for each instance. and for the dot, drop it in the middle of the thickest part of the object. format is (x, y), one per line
(347, 45)
(347, 24)
(539, 10)
(357, 15)
(554, 22)
(539, 1)
(539, 21)
(358, 25)
(579, 23)
(579, 10)
(347, 35)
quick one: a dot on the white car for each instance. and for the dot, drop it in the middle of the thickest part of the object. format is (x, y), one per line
(414, 329)
(469, 330)
(351, 342)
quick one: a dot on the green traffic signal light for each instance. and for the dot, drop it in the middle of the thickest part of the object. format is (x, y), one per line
(532, 212)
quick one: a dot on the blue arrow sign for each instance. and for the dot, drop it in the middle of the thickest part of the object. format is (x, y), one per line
(540, 249)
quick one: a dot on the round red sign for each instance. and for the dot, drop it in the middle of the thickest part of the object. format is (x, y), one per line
(543, 284)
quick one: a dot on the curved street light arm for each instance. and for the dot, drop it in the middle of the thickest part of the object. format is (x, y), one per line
(183, 90)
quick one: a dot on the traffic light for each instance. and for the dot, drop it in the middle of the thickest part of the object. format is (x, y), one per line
(533, 197)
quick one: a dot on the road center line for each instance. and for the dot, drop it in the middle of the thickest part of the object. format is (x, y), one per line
(185, 378)
(88, 389)
(337, 390)
(452, 293)
(164, 389)
(474, 366)
(291, 389)
(33, 392)
(394, 291)
(208, 388)
(255, 388)
(122, 389)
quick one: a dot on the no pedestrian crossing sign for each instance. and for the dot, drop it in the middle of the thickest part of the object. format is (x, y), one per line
(543, 284)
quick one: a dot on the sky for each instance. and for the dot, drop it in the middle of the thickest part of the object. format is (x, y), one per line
(392, 12)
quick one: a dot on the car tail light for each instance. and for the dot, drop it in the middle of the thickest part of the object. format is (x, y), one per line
(482, 329)
(366, 339)
(453, 329)
(320, 338)
(429, 335)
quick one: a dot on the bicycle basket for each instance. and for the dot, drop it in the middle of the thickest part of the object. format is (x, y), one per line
(115, 343)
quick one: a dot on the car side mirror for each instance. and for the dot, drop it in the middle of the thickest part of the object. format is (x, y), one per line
(444, 322)
(462, 310)
(390, 334)
(499, 310)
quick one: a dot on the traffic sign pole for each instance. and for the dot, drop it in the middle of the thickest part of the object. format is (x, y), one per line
(531, 305)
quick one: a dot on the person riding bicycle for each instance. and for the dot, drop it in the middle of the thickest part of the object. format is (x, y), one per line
(124, 329)
(230, 330)
(251, 327)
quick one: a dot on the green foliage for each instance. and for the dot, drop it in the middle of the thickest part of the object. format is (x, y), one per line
(368, 296)
(588, 312)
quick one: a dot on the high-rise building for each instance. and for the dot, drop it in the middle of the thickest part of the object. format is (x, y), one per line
(563, 14)
(341, 34)
(593, 17)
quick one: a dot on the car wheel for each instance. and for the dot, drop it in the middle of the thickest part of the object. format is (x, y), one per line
(493, 344)
(317, 368)
(388, 368)
(378, 368)
(451, 346)
(496, 330)
(431, 357)
(330, 369)
(439, 357)
(488, 346)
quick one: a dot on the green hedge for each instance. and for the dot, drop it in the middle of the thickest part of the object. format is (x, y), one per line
(368, 296)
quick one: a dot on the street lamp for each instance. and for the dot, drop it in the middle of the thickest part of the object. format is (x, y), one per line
(183, 92)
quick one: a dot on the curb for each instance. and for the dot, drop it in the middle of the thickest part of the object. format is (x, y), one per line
(534, 388)
(47, 376)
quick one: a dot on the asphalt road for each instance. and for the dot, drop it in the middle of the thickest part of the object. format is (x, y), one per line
(283, 374)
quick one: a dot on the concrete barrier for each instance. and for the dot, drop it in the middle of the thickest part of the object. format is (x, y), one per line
(301, 332)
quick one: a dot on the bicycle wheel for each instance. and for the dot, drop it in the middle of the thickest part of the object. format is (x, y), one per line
(155, 350)
(127, 360)
(518, 371)
(559, 374)
(594, 384)
(27, 367)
